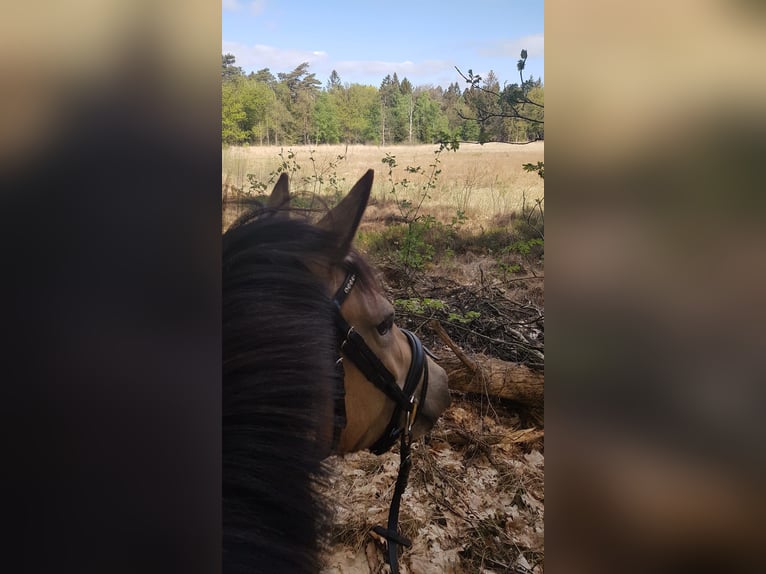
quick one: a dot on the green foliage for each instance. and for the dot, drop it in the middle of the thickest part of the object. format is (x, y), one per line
(294, 108)
(513, 113)
(524, 246)
(530, 250)
(360, 117)
(458, 220)
(228, 70)
(420, 306)
(430, 122)
(464, 319)
(435, 307)
(321, 177)
(326, 175)
(539, 167)
(326, 123)
(508, 268)
(415, 249)
(233, 115)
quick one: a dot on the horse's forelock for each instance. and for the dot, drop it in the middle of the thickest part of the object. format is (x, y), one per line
(366, 277)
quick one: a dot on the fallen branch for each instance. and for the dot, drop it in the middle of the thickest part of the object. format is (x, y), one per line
(496, 378)
(442, 334)
(490, 376)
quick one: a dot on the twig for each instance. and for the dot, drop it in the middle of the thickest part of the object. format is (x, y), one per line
(525, 278)
(503, 314)
(439, 330)
(527, 345)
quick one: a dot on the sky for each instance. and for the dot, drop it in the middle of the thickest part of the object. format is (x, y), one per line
(364, 40)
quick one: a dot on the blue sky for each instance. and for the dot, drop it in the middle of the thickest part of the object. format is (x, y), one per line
(364, 40)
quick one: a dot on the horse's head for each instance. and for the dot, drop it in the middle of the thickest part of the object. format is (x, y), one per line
(296, 298)
(373, 407)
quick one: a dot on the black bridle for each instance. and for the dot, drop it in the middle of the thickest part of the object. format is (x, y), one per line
(353, 347)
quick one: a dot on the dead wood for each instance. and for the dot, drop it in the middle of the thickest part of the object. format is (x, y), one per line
(490, 376)
(496, 378)
(439, 330)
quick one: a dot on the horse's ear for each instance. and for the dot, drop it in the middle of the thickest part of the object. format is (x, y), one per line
(343, 219)
(280, 196)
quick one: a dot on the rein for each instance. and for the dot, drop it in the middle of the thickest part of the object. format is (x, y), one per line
(353, 346)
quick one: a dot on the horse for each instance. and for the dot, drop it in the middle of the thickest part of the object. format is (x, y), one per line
(313, 364)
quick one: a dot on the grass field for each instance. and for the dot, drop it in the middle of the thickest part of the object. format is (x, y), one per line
(482, 180)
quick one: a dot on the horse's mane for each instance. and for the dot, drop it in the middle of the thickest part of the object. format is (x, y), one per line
(254, 210)
(278, 383)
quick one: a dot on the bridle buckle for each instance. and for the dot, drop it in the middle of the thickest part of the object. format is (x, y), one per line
(412, 414)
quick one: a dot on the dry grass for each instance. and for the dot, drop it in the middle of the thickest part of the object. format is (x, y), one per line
(484, 181)
(474, 501)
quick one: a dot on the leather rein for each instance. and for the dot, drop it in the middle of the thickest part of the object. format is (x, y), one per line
(352, 347)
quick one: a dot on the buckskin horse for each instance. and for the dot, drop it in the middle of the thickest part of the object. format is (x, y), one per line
(313, 364)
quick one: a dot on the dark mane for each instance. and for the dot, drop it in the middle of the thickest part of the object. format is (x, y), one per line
(278, 383)
(255, 210)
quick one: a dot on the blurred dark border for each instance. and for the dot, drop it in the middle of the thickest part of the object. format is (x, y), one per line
(110, 212)
(110, 162)
(655, 268)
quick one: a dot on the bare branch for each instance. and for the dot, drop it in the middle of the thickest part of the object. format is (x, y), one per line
(439, 330)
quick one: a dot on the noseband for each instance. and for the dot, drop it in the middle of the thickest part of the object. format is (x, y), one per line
(352, 345)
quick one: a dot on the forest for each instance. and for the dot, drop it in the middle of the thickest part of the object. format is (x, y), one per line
(295, 107)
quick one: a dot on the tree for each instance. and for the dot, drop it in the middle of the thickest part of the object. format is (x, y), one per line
(430, 122)
(333, 83)
(514, 103)
(228, 70)
(492, 106)
(292, 107)
(263, 76)
(406, 90)
(359, 114)
(326, 124)
(396, 109)
(258, 101)
(303, 88)
(387, 93)
(232, 115)
(284, 126)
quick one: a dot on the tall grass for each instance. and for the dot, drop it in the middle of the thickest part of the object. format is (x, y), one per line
(483, 181)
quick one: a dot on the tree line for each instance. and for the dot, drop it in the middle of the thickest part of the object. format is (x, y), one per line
(296, 108)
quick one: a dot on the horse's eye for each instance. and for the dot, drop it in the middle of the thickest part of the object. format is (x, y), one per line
(385, 326)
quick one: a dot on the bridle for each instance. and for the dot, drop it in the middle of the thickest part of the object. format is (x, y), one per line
(353, 346)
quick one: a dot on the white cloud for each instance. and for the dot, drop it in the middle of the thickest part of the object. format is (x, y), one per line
(257, 6)
(533, 44)
(402, 69)
(259, 56)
